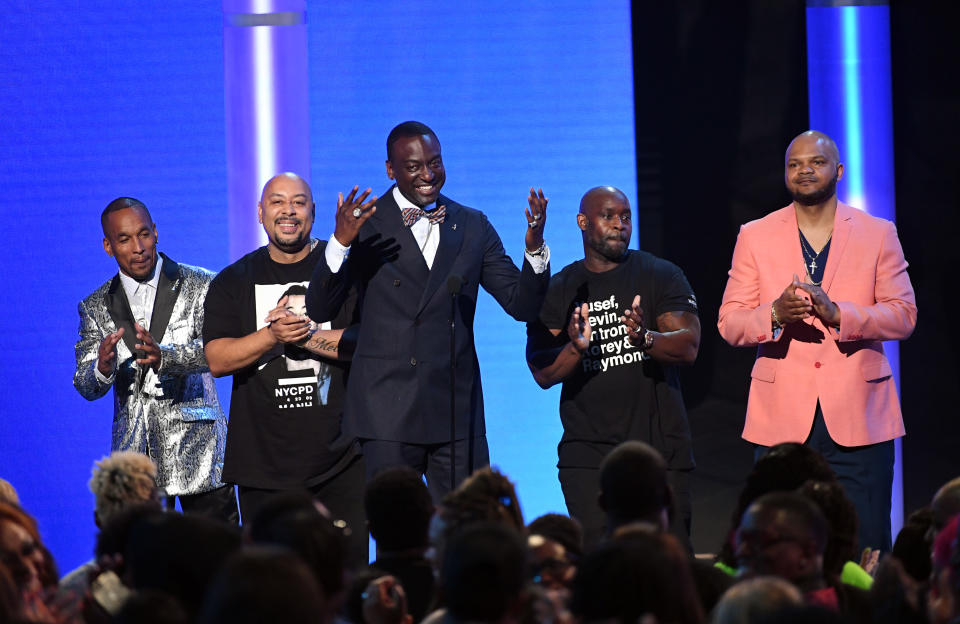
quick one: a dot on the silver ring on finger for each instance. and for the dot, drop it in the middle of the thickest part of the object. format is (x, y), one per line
(357, 213)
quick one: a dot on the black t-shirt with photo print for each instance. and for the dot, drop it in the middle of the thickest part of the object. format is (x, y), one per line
(618, 393)
(285, 409)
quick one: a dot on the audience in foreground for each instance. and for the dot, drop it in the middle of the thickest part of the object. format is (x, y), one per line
(472, 559)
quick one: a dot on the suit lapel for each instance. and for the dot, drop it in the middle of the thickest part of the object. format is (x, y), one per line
(168, 288)
(388, 222)
(842, 225)
(451, 239)
(119, 309)
(791, 242)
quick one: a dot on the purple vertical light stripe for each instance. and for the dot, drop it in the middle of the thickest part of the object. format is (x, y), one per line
(266, 91)
(848, 66)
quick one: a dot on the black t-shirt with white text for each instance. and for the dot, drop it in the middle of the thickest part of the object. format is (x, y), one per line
(618, 393)
(286, 408)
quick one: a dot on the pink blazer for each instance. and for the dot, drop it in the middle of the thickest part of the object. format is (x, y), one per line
(846, 369)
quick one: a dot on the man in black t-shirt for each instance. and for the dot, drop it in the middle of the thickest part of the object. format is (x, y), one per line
(288, 374)
(613, 328)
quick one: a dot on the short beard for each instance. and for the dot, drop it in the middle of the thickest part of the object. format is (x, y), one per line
(292, 246)
(608, 251)
(819, 196)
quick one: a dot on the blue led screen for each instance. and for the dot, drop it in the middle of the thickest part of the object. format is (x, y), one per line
(126, 98)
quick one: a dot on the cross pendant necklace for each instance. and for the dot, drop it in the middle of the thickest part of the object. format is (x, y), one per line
(809, 253)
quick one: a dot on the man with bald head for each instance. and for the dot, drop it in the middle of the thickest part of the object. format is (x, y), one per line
(614, 329)
(284, 431)
(816, 287)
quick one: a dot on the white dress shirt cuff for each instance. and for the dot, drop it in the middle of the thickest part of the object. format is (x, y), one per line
(335, 254)
(539, 262)
(104, 380)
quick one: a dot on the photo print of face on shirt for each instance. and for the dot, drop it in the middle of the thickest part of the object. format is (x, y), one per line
(302, 377)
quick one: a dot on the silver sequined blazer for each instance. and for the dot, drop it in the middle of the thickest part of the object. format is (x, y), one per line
(173, 415)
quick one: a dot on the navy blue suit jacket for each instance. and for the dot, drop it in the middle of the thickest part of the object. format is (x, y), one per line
(399, 385)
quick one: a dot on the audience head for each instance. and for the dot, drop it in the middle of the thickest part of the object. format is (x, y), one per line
(943, 599)
(8, 493)
(753, 599)
(783, 534)
(634, 487)
(151, 606)
(555, 545)
(122, 479)
(841, 517)
(490, 483)
(292, 520)
(912, 546)
(261, 584)
(177, 554)
(562, 529)
(485, 496)
(783, 468)
(22, 552)
(399, 508)
(945, 505)
(483, 573)
(646, 571)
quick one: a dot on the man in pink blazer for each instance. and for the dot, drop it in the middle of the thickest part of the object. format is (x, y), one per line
(816, 287)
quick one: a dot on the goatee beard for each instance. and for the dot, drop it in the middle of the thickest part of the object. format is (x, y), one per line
(817, 197)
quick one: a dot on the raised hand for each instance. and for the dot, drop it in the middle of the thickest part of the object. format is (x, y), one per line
(822, 306)
(790, 307)
(352, 212)
(149, 348)
(579, 329)
(385, 602)
(107, 353)
(633, 320)
(536, 219)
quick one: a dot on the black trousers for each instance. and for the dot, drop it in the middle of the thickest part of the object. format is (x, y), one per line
(219, 504)
(342, 495)
(431, 460)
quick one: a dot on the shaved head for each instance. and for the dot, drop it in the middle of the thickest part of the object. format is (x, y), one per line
(593, 197)
(605, 223)
(817, 137)
(286, 210)
(287, 175)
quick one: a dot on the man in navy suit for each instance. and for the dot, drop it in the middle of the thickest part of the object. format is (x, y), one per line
(408, 254)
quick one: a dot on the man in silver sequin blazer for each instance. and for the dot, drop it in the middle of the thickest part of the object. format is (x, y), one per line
(140, 334)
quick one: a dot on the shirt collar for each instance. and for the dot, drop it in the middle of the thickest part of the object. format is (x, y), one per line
(403, 202)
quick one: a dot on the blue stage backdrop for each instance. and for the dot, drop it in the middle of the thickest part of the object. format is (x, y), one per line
(127, 98)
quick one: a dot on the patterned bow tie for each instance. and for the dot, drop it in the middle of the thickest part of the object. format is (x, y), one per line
(411, 215)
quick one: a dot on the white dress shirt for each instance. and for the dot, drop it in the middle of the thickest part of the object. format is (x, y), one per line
(140, 296)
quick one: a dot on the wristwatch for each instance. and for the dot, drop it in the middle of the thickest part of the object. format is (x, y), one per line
(647, 340)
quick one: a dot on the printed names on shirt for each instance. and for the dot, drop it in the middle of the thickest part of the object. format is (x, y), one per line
(609, 344)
